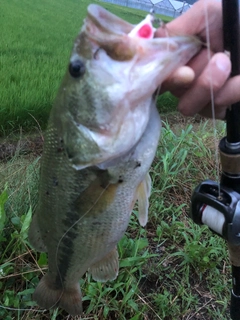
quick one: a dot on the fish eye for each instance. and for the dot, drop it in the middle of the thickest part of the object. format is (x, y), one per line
(76, 68)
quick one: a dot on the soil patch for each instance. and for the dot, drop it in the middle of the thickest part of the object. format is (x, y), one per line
(33, 143)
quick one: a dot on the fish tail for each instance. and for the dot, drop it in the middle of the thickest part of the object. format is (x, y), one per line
(71, 300)
(48, 297)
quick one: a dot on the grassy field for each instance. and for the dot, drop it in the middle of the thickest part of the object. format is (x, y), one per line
(172, 269)
(36, 40)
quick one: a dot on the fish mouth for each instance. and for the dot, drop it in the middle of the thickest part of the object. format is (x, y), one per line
(103, 19)
(111, 34)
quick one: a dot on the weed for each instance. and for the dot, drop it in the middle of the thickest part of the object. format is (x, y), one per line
(35, 45)
(172, 269)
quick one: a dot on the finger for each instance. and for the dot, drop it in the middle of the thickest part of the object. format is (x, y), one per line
(181, 79)
(219, 112)
(194, 21)
(195, 18)
(229, 93)
(183, 76)
(213, 76)
(199, 62)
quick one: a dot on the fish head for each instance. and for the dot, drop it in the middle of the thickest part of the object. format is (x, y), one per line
(122, 63)
(107, 90)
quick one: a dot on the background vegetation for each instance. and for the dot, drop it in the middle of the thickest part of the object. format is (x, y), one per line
(172, 269)
(36, 40)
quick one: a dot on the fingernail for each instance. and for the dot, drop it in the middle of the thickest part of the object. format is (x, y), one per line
(223, 63)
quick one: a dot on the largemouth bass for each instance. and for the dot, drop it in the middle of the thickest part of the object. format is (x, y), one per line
(100, 142)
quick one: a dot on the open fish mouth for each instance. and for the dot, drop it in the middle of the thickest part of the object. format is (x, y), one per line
(129, 66)
(123, 42)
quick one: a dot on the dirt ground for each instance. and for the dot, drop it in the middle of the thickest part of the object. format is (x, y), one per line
(32, 143)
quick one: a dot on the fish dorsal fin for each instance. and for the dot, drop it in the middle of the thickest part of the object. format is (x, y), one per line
(142, 194)
(107, 268)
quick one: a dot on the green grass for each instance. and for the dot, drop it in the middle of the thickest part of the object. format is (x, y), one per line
(172, 269)
(36, 40)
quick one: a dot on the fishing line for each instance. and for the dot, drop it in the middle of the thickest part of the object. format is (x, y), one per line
(158, 21)
(217, 163)
(64, 235)
(104, 190)
(56, 256)
(16, 309)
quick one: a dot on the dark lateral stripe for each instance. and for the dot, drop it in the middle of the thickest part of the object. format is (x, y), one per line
(66, 248)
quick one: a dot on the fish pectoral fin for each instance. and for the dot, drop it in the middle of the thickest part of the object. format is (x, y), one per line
(48, 297)
(35, 237)
(142, 194)
(107, 268)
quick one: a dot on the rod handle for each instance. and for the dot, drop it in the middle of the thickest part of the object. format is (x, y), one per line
(235, 307)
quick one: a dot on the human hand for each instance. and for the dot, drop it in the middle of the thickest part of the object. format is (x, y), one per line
(192, 83)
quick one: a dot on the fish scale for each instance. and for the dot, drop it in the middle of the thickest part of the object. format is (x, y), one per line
(101, 139)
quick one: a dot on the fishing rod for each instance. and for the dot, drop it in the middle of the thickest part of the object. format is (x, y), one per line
(218, 205)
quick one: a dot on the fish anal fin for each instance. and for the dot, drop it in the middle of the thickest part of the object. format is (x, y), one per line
(107, 268)
(35, 237)
(142, 194)
(48, 297)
